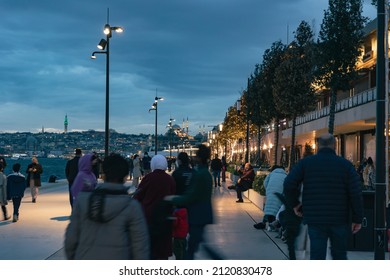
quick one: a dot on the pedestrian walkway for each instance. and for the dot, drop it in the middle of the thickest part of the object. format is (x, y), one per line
(39, 233)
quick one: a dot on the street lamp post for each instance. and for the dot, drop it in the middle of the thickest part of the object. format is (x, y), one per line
(104, 45)
(154, 107)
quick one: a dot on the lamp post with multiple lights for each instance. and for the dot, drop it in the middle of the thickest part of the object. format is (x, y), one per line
(154, 107)
(104, 46)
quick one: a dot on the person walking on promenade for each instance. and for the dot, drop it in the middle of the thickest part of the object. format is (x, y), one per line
(96, 164)
(273, 183)
(34, 171)
(107, 224)
(3, 193)
(197, 200)
(331, 192)
(3, 162)
(136, 171)
(131, 167)
(245, 182)
(182, 176)
(71, 170)
(224, 168)
(150, 193)
(16, 185)
(146, 161)
(85, 180)
(183, 173)
(216, 167)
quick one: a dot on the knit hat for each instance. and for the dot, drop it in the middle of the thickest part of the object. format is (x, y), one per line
(159, 162)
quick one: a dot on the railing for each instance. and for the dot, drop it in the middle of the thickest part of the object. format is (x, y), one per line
(342, 105)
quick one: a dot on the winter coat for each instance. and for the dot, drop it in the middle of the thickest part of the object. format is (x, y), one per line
(36, 175)
(111, 230)
(216, 164)
(71, 169)
(197, 199)
(16, 185)
(85, 179)
(150, 193)
(273, 183)
(182, 176)
(331, 189)
(137, 168)
(3, 189)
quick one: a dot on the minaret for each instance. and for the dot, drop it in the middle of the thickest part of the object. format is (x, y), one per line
(187, 126)
(66, 124)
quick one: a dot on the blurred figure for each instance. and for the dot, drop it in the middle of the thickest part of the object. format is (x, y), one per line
(136, 171)
(131, 167)
(96, 164)
(150, 193)
(224, 168)
(180, 232)
(16, 185)
(183, 173)
(216, 167)
(107, 224)
(85, 180)
(4, 162)
(34, 171)
(3, 192)
(71, 170)
(182, 176)
(146, 161)
(197, 200)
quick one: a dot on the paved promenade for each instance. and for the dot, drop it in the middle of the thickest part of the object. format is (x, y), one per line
(39, 234)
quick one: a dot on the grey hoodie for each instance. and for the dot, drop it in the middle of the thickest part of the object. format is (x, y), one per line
(120, 233)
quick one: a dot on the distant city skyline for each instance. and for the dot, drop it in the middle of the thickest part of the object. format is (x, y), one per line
(196, 54)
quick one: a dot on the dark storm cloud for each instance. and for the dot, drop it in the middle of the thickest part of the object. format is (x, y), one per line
(196, 54)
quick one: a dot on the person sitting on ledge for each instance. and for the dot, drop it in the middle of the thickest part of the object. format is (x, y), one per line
(245, 181)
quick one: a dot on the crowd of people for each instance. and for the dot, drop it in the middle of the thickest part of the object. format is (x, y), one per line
(13, 185)
(167, 212)
(164, 216)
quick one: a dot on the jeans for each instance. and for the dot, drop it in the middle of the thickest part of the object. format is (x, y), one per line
(338, 236)
(217, 176)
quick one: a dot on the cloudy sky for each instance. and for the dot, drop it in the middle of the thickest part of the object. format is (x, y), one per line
(197, 54)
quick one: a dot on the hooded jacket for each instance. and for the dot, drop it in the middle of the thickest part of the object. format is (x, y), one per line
(273, 183)
(16, 184)
(85, 179)
(120, 232)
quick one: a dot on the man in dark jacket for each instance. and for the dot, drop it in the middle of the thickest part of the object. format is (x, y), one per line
(71, 170)
(216, 167)
(331, 195)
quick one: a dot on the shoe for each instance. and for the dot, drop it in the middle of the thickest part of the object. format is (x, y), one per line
(259, 226)
(34, 200)
(240, 201)
(15, 219)
(7, 218)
